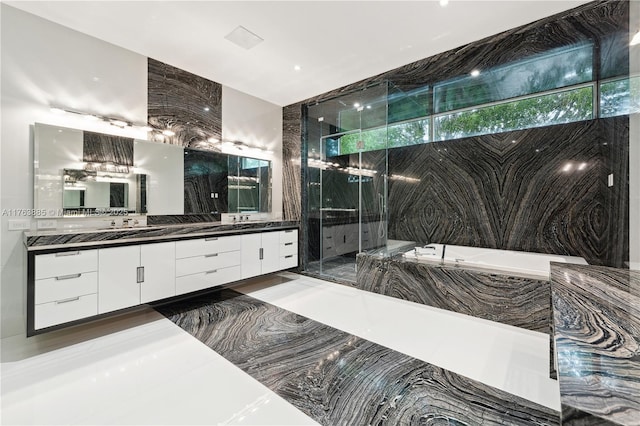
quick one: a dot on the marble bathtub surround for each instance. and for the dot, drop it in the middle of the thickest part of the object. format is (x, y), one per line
(506, 298)
(338, 378)
(596, 313)
(45, 240)
(188, 105)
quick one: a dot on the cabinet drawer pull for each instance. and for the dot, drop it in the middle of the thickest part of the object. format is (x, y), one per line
(68, 277)
(211, 272)
(140, 274)
(72, 299)
(211, 255)
(289, 231)
(328, 248)
(288, 257)
(211, 239)
(261, 253)
(288, 244)
(329, 237)
(68, 253)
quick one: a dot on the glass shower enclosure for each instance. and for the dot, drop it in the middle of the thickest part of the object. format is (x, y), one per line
(346, 181)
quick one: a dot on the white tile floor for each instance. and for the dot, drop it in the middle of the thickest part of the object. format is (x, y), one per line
(143, 369)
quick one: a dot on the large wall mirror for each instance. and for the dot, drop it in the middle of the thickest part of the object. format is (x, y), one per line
(81, 173)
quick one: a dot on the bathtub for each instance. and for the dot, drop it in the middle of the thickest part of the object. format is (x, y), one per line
(520, 262)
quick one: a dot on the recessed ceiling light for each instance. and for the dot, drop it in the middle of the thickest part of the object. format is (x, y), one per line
(443, 3)
(297, 68)
(244, 38)
(206, 108)
(368, 106)
(475, 73)
(356, 105)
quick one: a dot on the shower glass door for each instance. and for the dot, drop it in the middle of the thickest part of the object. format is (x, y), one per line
(346, 181)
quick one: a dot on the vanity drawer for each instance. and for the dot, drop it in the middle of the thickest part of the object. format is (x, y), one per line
(208, 262)
(54, 313)
(289, 261)
(289, 236)
(288, 248)
(209, 245)
(65, 287)
(65, 263)
(194, 282)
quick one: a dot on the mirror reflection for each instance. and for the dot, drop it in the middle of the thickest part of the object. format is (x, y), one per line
(78, 172)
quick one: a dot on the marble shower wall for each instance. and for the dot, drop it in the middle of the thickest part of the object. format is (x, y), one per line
(511, 191)
(187, 104)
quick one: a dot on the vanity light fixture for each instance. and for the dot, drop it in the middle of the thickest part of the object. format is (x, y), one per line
(297, 68)
(168, 132)
(118, 122)
(213, 140)
(635, 40)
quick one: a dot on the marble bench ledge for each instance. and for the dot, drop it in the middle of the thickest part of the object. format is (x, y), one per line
(596, 313)
(46, 240)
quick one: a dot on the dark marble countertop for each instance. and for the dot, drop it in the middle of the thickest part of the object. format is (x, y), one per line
(596, 319)
(54, 239)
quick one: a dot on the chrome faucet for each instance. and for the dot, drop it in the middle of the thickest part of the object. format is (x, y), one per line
(125, 222)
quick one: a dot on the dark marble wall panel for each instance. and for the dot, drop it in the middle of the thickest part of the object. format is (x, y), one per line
(518, 301)
(187, 104)
(103, 148)
(206, 182)
(291, 171)
(615, 145)
(507, 191)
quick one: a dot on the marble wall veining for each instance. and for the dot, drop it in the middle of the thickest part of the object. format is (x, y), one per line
(513, 191)
(291, 148)
(187, 104)
(103, 148)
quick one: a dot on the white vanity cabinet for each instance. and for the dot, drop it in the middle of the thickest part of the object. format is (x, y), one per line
(65, 287)
(131, 275)
(267, 252)
(260, 253)
(69, 287)
(207, 262)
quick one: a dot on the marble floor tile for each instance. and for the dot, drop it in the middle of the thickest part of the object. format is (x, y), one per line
(149, 373)
(339, 378)
(509, 358)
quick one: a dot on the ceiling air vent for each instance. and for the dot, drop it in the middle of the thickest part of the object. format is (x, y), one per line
(243, 37)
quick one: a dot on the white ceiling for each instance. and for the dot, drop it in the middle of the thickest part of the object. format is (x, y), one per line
(334, 42)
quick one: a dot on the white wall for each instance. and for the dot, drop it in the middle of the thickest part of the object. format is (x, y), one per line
(257, 123)
(44, 64)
